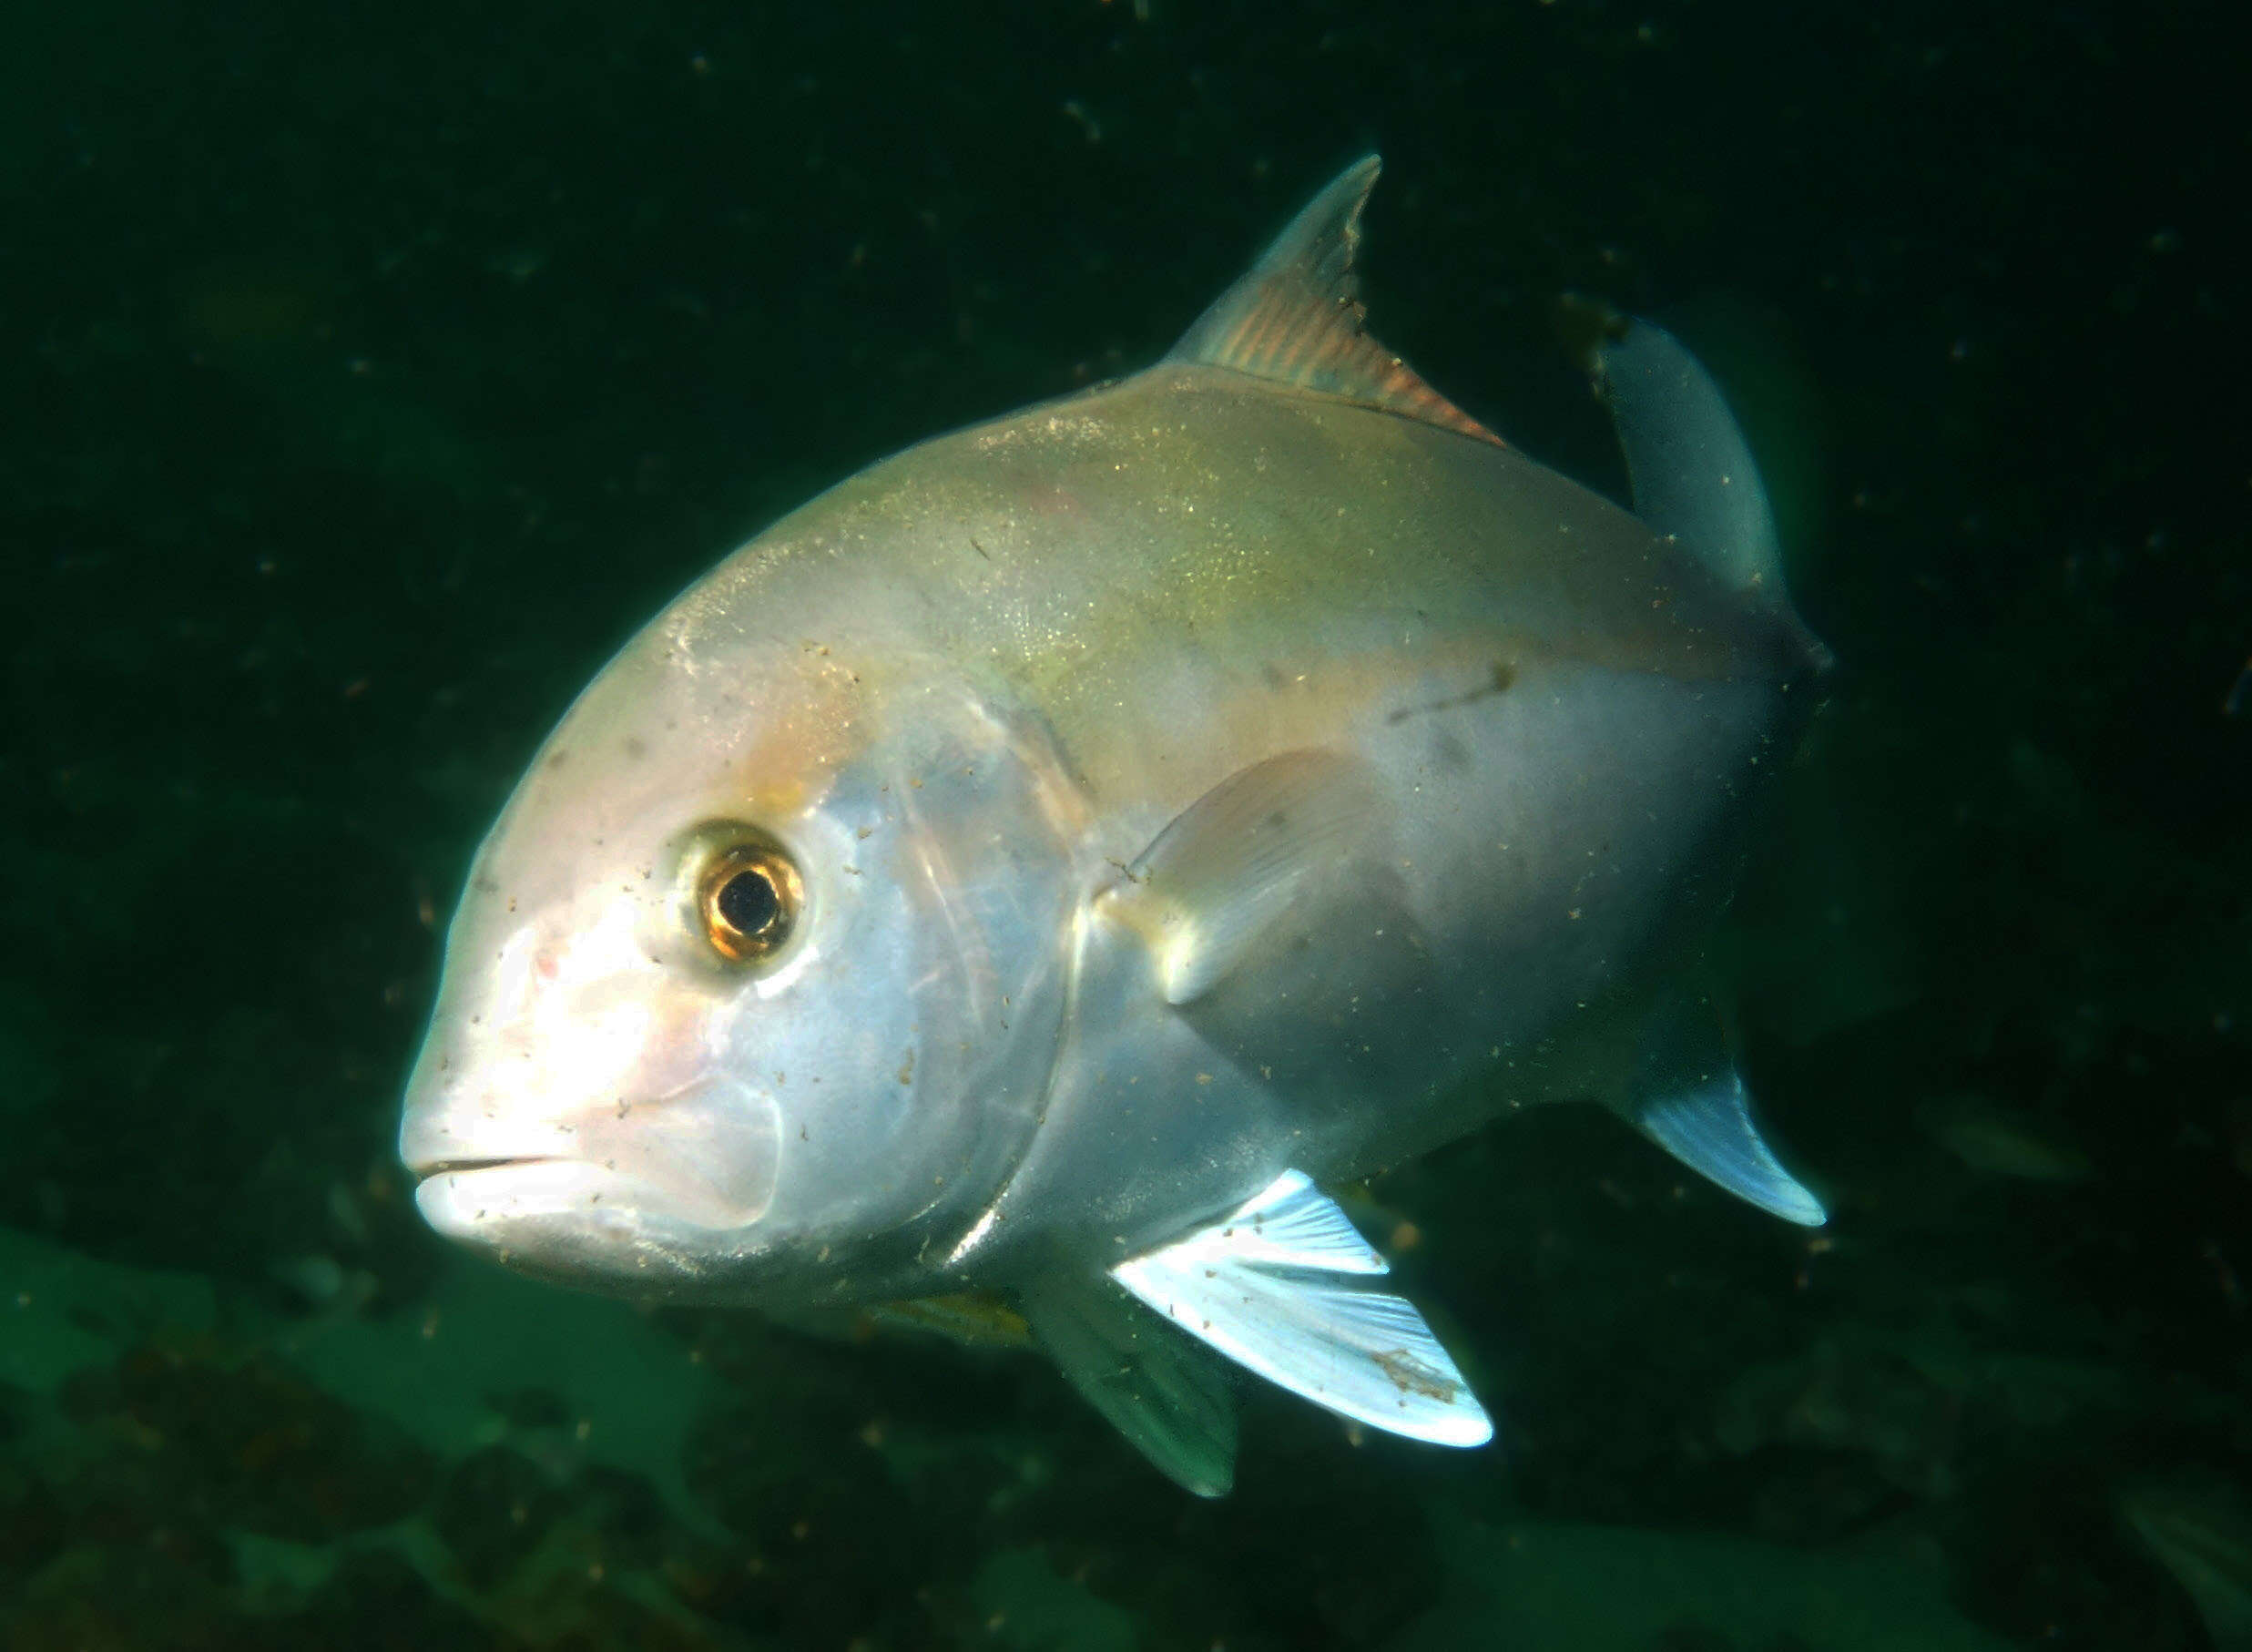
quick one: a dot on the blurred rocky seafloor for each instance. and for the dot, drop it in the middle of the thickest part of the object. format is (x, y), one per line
(379, 372)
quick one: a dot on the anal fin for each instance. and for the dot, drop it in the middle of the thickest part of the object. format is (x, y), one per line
(1690, 1101)
(1282, 1286)
(1709, 1129)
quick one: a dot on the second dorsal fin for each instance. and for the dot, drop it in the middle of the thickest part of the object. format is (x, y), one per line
(1297, 319)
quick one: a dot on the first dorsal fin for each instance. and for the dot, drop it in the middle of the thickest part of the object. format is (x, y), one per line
(1297, 317)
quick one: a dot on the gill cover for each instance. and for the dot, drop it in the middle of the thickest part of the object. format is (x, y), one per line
(616, 1092)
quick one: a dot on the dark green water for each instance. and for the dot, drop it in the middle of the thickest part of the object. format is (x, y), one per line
(373, 371)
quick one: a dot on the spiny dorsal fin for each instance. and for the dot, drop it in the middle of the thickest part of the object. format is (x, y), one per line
(1296, 318)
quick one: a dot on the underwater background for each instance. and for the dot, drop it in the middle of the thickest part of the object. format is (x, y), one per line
(372, 371)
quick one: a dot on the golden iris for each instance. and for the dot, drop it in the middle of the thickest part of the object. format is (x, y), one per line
(749, 896)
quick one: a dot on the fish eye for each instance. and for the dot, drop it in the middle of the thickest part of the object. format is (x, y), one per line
(748, 896)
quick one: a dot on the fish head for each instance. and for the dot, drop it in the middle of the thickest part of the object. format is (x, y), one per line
(757, 982)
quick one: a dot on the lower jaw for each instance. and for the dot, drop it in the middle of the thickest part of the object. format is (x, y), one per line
(569, 1207)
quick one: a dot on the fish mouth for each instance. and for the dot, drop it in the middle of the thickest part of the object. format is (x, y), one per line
(453, 1166)
(707, 1159)
(530, 1205)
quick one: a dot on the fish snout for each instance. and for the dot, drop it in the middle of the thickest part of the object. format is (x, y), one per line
(707, 1157)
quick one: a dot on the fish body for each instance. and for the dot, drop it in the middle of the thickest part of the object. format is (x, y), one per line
(1037, 863)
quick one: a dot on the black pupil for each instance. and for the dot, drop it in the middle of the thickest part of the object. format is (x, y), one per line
(748, 902)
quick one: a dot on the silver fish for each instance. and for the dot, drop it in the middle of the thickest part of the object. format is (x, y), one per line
(1038, 863)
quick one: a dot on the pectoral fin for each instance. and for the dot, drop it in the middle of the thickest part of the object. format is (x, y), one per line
(1691, 1101)
(1161, 1392)
(1281, 1285)
(1216, 880)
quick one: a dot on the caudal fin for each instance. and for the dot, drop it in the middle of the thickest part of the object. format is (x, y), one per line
(1693, 476)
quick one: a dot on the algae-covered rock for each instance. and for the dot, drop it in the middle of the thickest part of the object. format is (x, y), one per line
(1585, 1588)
